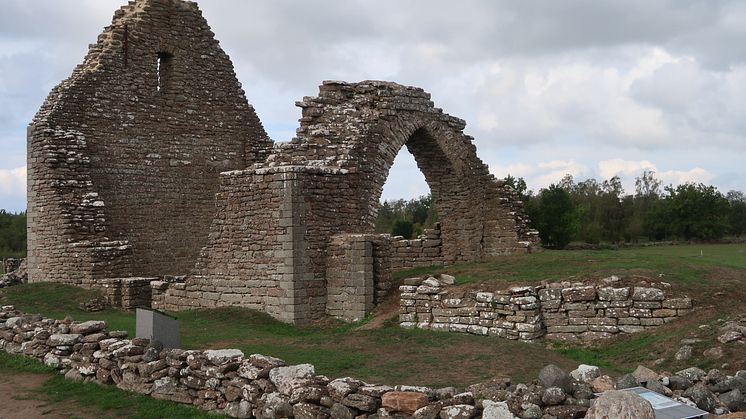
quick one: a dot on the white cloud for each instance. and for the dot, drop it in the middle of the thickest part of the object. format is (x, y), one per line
(615, 167)
(13, 182)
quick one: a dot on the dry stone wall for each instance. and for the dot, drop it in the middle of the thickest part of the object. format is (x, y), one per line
(572, 313)
(426, 250)
(258, 386)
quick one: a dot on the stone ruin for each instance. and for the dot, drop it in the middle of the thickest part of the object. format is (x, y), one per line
(150, 175)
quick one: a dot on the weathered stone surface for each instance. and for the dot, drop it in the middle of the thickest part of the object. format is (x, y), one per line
(286, 379)
(613, 294)
(63, 339)
(496, 410)
(585, 373)
(338, 410)
(714, 352)
(647, 294)
(730, 336)
(88, 327)
(310, 411)
(579, 294)
(602, 383)
(692, 373)
(684, 353)
(644, 374)
(620, 404)
(404, 401)
(458, 411)
(223, 356)
(554, 376)
(657, 387)
(553, 396)
(361, 402)
(734, 400)
(702, 396)
(627, 381)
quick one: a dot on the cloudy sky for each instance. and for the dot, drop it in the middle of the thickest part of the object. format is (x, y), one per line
(590, 88)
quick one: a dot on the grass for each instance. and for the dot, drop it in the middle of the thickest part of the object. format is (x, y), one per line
(392, 355)
(93, 399)
(683, 264)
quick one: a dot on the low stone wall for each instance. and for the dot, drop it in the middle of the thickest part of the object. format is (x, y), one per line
(266, 388)
(511, 314)
(598, 312)
(567, 312)
(423, 251)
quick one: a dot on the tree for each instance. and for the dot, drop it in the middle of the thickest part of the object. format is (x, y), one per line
(403, 228)
(697, 211)
(555, 217)
(646, 185)
(737, 212)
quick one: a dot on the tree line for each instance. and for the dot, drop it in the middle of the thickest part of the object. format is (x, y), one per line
(596, 212)
(12, 234)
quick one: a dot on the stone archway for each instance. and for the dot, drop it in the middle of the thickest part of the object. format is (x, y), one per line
(293, 235)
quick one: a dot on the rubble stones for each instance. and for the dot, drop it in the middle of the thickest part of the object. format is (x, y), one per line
(218, 381)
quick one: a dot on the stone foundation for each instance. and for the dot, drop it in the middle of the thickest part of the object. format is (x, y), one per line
(568, 313)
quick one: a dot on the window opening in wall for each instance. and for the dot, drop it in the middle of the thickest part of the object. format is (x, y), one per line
(163, 70)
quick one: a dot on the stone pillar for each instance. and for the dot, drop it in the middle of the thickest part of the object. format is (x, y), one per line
(350, 277)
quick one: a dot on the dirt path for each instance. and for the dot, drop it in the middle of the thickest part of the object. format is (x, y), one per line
(17, 401)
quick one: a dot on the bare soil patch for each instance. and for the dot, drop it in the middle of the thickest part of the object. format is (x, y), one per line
(19, 401)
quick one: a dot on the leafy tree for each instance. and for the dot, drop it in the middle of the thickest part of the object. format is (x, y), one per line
(403, 228)
(737, 212)
(697, 211)
(12, 234)
(418, 213)
(555, 217)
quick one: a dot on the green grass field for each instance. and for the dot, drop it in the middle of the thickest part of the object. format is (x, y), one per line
(683, 263)
(391, 355)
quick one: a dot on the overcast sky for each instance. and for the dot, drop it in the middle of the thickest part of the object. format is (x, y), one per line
(590, 88)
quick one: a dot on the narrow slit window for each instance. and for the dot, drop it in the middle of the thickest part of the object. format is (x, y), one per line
(163, 71)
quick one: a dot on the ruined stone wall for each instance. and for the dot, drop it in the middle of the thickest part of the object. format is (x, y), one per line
(425, 250)
(334, 171)
(124, 156)
(571, 313)
(361, 127)
(149, 157)
(127, 293)
(267, 246)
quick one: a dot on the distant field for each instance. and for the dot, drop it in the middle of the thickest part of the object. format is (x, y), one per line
(715, 276)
